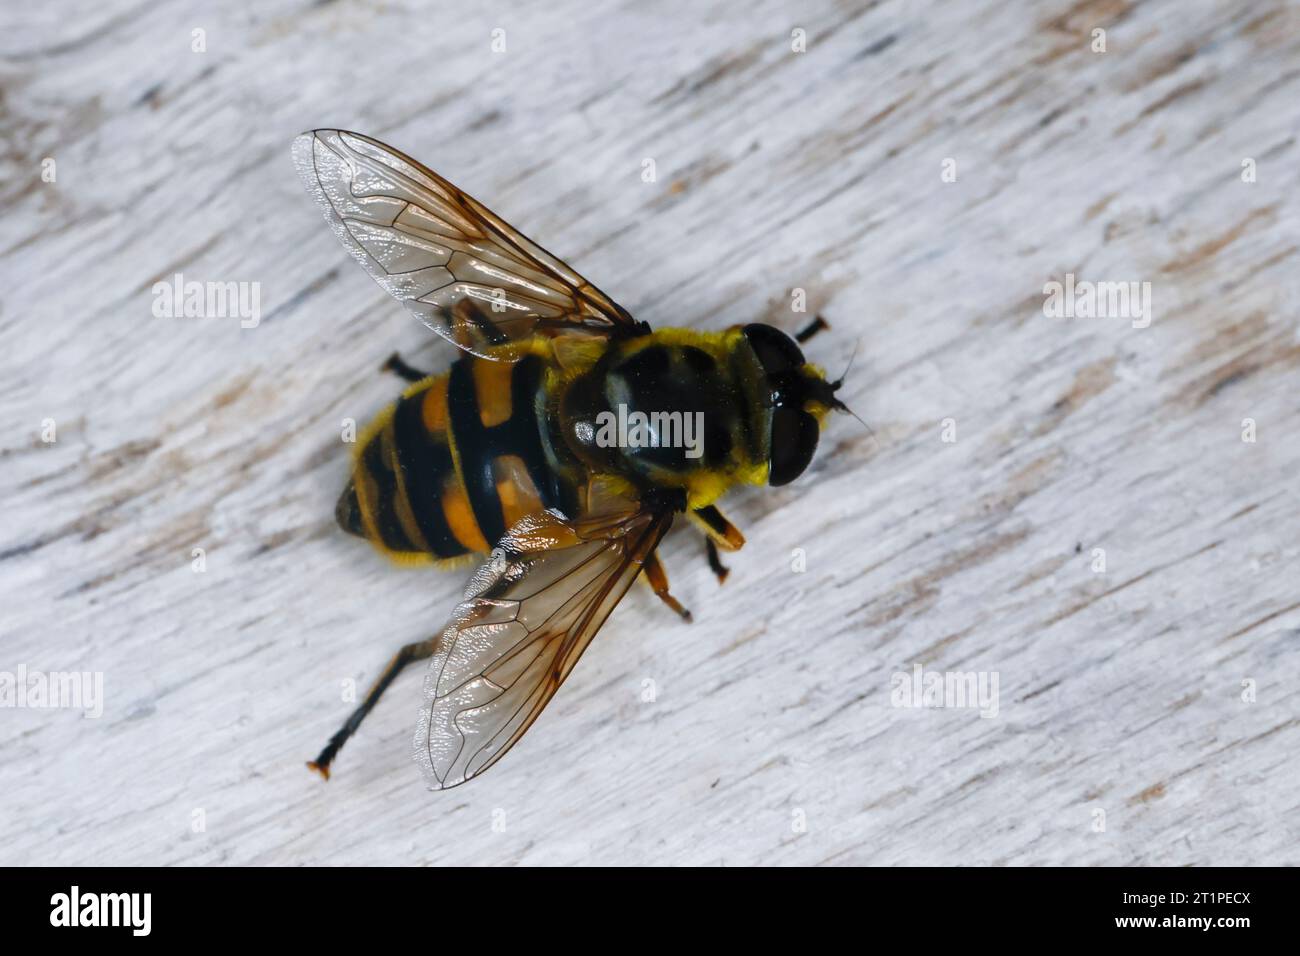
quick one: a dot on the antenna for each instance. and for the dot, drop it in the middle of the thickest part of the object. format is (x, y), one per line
(840, 381)
(836, 403)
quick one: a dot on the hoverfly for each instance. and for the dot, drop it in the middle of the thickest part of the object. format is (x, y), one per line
(501, 454)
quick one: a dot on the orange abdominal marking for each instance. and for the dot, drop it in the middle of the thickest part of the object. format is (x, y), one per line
(492, 389)
(455, 506)
(434, 410)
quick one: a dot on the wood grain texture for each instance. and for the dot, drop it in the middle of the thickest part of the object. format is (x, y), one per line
(1120, 690)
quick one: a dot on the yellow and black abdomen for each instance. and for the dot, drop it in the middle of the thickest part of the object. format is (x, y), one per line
(444, 471)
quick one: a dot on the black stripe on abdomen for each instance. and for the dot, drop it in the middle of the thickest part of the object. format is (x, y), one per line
(521, 435)
(387, 524)
(426, 464)
(475, 449)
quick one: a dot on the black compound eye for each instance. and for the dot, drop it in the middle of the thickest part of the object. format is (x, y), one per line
(776, 351)
(794, 440)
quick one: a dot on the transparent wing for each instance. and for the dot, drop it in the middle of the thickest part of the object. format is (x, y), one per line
(528, 615)
(461, 269)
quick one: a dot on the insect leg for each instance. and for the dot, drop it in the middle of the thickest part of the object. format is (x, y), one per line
(658, 578)
(411, 652)
(400, 368)
(811, 329)
(715, 562)
(718, 532)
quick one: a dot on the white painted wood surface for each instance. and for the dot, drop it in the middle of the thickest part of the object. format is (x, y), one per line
(1120, 691)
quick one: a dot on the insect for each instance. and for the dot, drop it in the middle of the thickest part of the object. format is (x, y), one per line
(505, 449)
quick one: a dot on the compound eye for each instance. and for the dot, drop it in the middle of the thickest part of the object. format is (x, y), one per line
(776, 351)
(794, 440)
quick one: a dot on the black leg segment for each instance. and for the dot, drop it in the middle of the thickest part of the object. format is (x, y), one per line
(811, 329)
(397, 366)
(411, 652)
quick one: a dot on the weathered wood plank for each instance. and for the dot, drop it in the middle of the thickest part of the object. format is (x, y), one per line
(1119, 690)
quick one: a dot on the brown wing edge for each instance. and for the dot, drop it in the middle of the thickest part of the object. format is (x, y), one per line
(496, 598)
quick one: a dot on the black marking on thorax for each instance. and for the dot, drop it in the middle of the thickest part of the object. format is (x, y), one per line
(677, 378)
